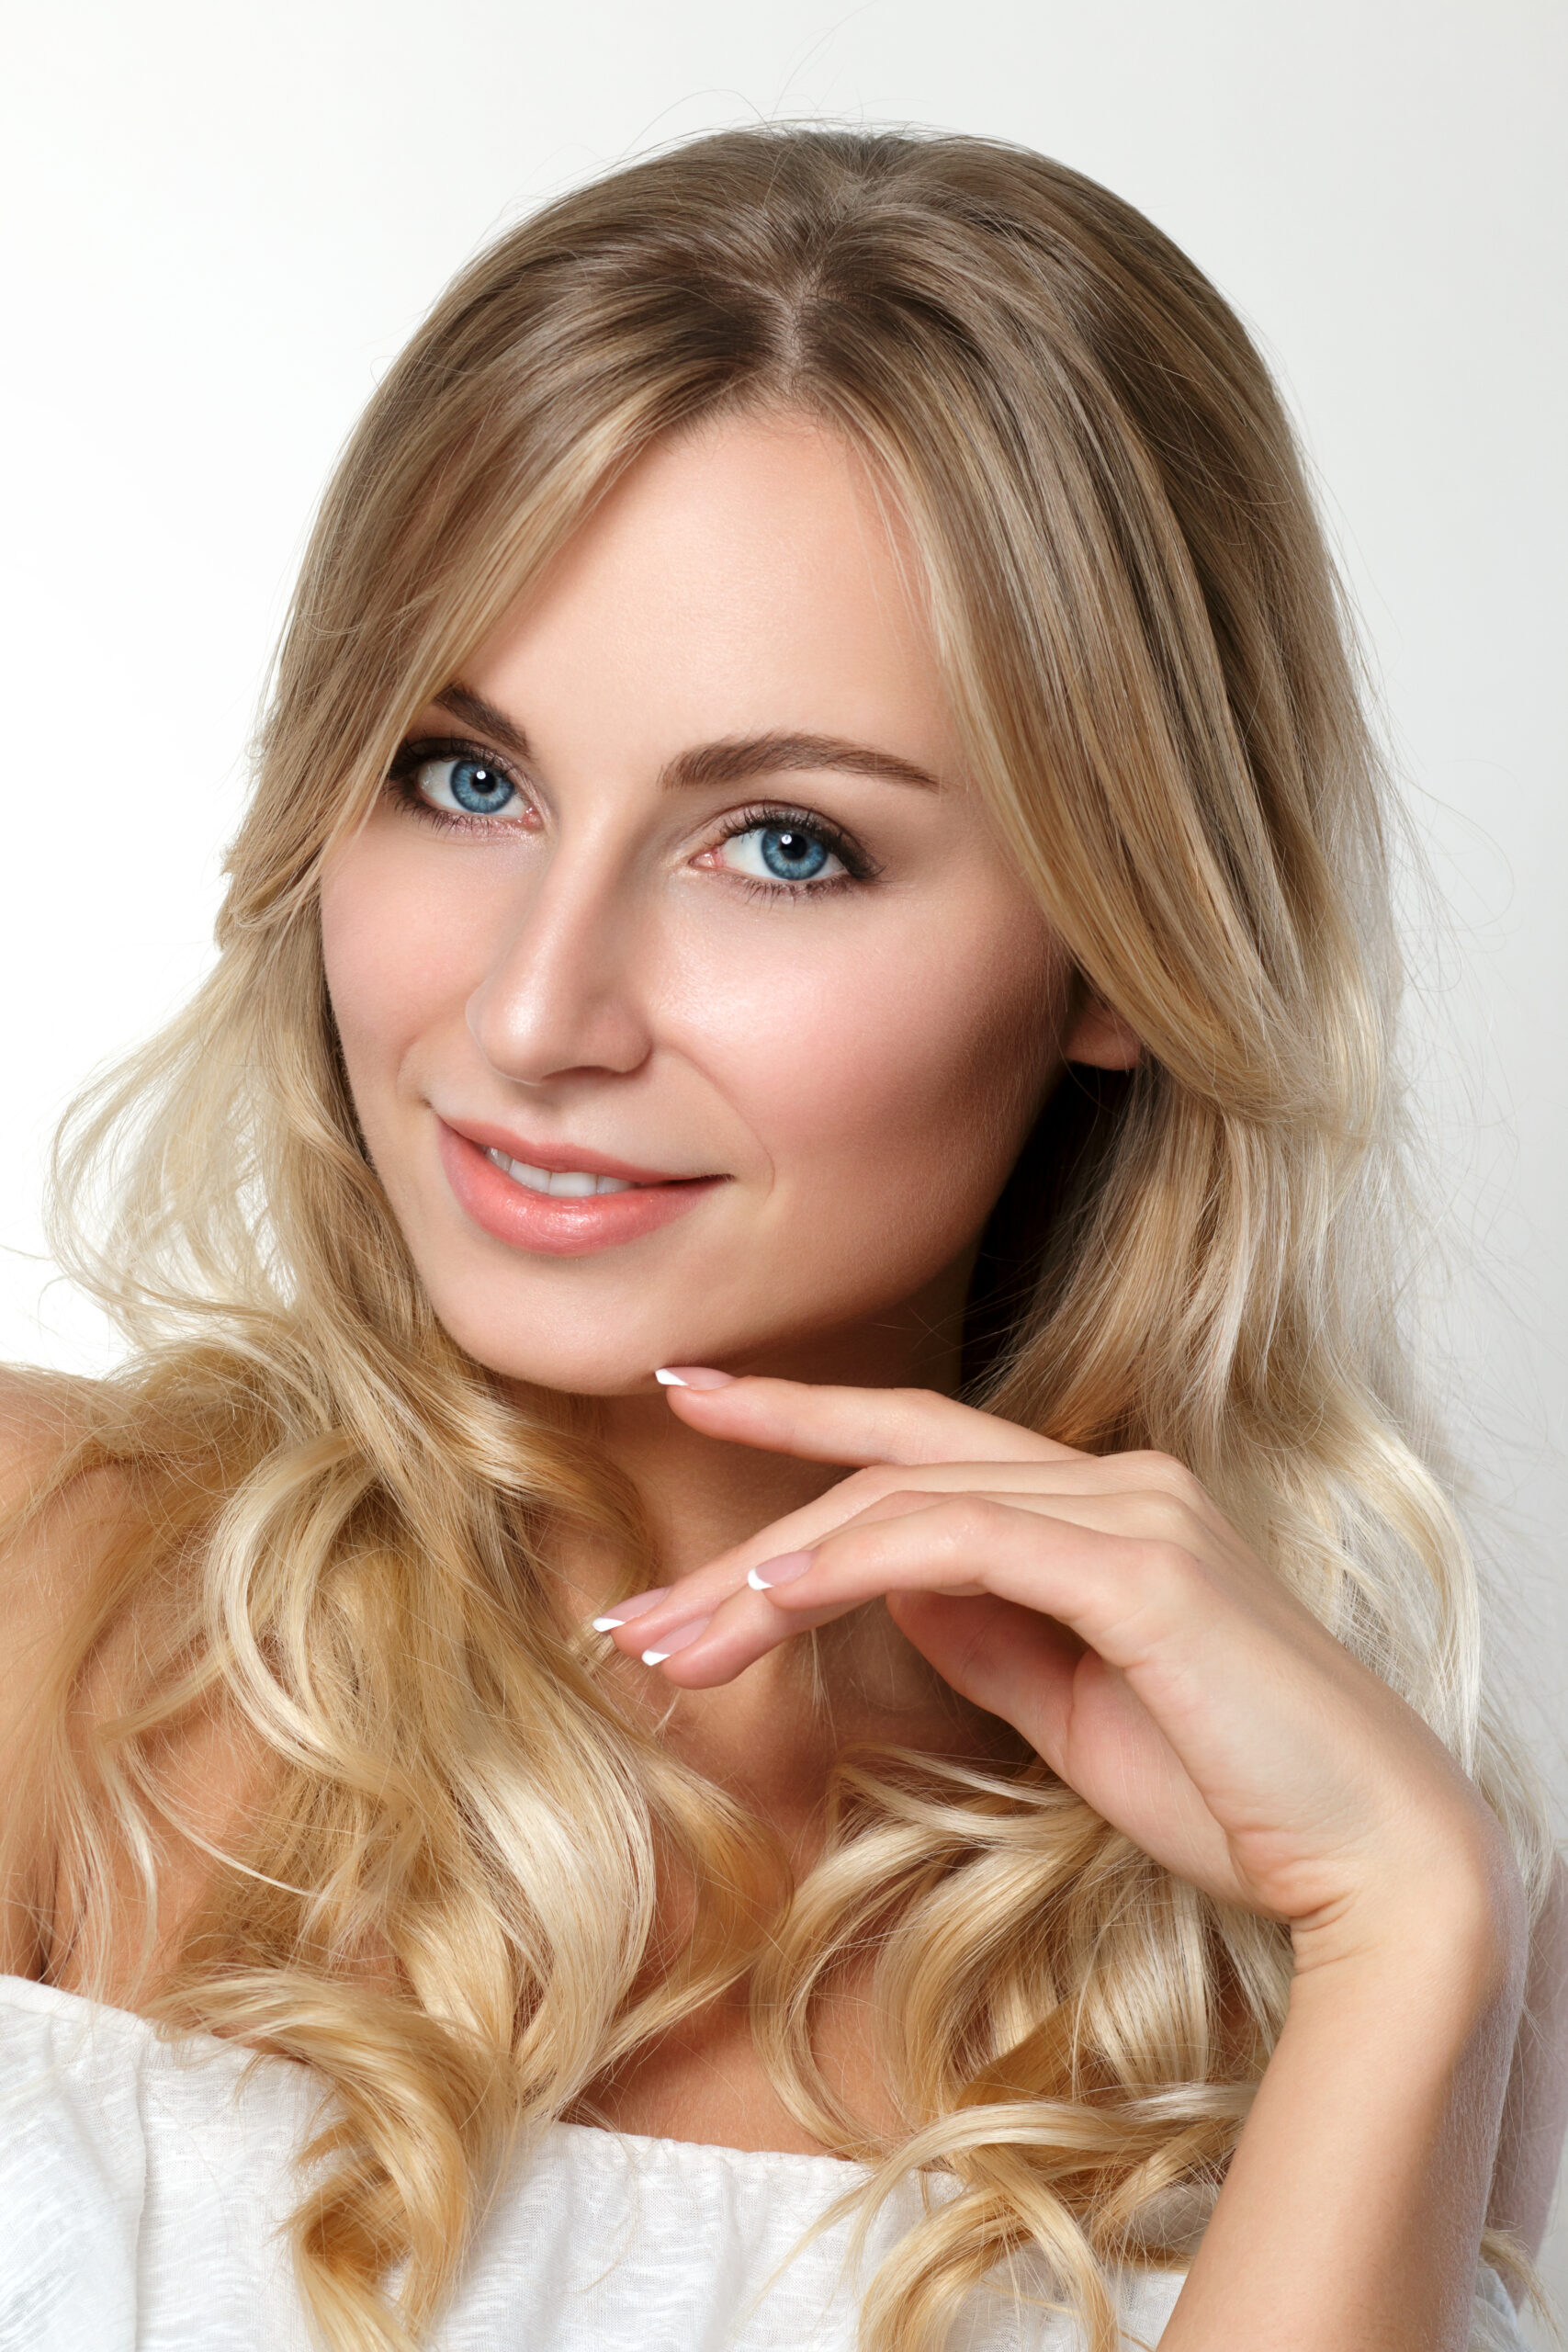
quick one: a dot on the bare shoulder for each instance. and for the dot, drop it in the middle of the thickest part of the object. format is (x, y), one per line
(41, 1413)
(45, 1559)
(212, 1769)
(42, 1417)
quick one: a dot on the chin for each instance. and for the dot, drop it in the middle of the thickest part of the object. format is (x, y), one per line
(549, 1350)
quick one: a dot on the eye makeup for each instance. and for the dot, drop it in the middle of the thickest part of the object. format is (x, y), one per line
(785, 820)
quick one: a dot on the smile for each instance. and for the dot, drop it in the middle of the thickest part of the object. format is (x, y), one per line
(564, 1184)
(560, 1211)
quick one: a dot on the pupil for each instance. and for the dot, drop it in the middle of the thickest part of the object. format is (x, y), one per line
(792, 856)
(478, 788)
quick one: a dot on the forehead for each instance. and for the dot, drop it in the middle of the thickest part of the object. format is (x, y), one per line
(750, 572)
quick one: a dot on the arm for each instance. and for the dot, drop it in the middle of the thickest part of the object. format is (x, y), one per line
(1371, 2133)
(1352, 2210)
(1535, 2111)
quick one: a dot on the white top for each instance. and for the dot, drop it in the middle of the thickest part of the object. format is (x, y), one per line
(142, 2185)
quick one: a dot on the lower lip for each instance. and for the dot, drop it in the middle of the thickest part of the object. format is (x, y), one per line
(549, 1222)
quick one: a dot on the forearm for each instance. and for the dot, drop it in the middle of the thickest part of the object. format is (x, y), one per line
(1535, 2112)
(1351, 2214)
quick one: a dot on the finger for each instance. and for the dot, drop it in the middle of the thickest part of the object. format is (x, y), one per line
(1016, 1664)
(702, 1590)
(1039, 1677)
(1110, 1589)
(1093, 1502)
(1051, 1490)
(707, 1633)
(1009, 1660)
(858, 1425)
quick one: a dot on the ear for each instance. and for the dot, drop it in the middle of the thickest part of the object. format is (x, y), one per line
(1100, 1037)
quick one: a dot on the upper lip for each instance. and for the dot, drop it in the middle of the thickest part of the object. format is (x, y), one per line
(555, 1158)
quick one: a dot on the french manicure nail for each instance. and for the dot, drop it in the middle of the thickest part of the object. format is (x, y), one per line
(784, 1570)
(682, 1638)
(632, 1608)
(691, 1375)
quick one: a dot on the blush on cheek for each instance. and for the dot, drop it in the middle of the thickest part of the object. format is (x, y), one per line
(892, 1098)
(401, 954)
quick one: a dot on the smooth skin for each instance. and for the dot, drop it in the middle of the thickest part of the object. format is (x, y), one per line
(840, 1070)
(605, 965)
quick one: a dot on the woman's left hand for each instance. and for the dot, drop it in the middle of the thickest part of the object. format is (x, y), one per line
(1104, 1607)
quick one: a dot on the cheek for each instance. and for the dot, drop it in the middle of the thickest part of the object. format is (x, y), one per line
(900, 1075)
(402, 956)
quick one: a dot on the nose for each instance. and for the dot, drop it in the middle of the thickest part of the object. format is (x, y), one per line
(565, 993)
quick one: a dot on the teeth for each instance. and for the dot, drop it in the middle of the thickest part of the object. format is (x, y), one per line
(564, 1184)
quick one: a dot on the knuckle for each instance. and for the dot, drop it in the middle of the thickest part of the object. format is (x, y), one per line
(1173, 1522)
(970, 1518)
(1168, 1476)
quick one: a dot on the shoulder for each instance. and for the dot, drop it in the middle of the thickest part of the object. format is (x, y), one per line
(44, 1419)
(41, 1414)
(44, 1416)
(49, 1545)
(97, 1515)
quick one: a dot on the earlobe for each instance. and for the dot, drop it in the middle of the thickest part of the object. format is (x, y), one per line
(1101, 1038)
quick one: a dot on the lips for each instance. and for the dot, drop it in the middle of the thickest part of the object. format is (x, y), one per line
(559, 1158)
(553, 1224)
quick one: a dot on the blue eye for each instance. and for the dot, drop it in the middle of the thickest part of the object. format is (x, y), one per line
(792, 856)
(782, 853)
(465, 783)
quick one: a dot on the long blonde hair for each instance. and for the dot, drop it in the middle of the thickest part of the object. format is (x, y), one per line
(340, 1529)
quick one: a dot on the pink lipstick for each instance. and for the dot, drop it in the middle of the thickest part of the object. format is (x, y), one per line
(594, 1202)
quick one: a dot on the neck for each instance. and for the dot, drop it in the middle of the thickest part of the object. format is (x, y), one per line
(764, 1737)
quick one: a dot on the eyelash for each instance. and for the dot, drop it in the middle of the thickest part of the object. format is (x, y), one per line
(418, 752)
(858, 867)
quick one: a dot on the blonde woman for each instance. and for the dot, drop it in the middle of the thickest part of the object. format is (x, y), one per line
(761, 1648)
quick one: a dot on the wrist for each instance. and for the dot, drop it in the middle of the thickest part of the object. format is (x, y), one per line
(1454, 1939)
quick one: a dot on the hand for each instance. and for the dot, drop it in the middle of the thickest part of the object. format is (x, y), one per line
(1104, 1607)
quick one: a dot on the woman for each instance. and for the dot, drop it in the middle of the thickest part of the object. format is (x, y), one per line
(816, 902)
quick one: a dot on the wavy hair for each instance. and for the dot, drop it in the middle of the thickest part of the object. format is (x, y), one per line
(338, 1528)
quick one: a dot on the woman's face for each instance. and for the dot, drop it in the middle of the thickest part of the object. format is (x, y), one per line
(678, 899)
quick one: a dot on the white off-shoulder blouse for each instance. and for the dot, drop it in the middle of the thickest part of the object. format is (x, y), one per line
(143, 2184)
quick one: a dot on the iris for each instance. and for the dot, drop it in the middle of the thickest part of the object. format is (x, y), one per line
(791, 856)
(478, 788)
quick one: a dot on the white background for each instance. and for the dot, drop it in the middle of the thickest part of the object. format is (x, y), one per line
(225, 221)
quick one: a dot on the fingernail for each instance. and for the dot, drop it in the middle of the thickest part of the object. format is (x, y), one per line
(682, 1638)
(784, 1570)
(691, 1375)
(632, 1608)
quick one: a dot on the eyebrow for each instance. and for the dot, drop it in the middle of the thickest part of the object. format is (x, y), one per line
(484, 717)
(730, 761)
(736, 758)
